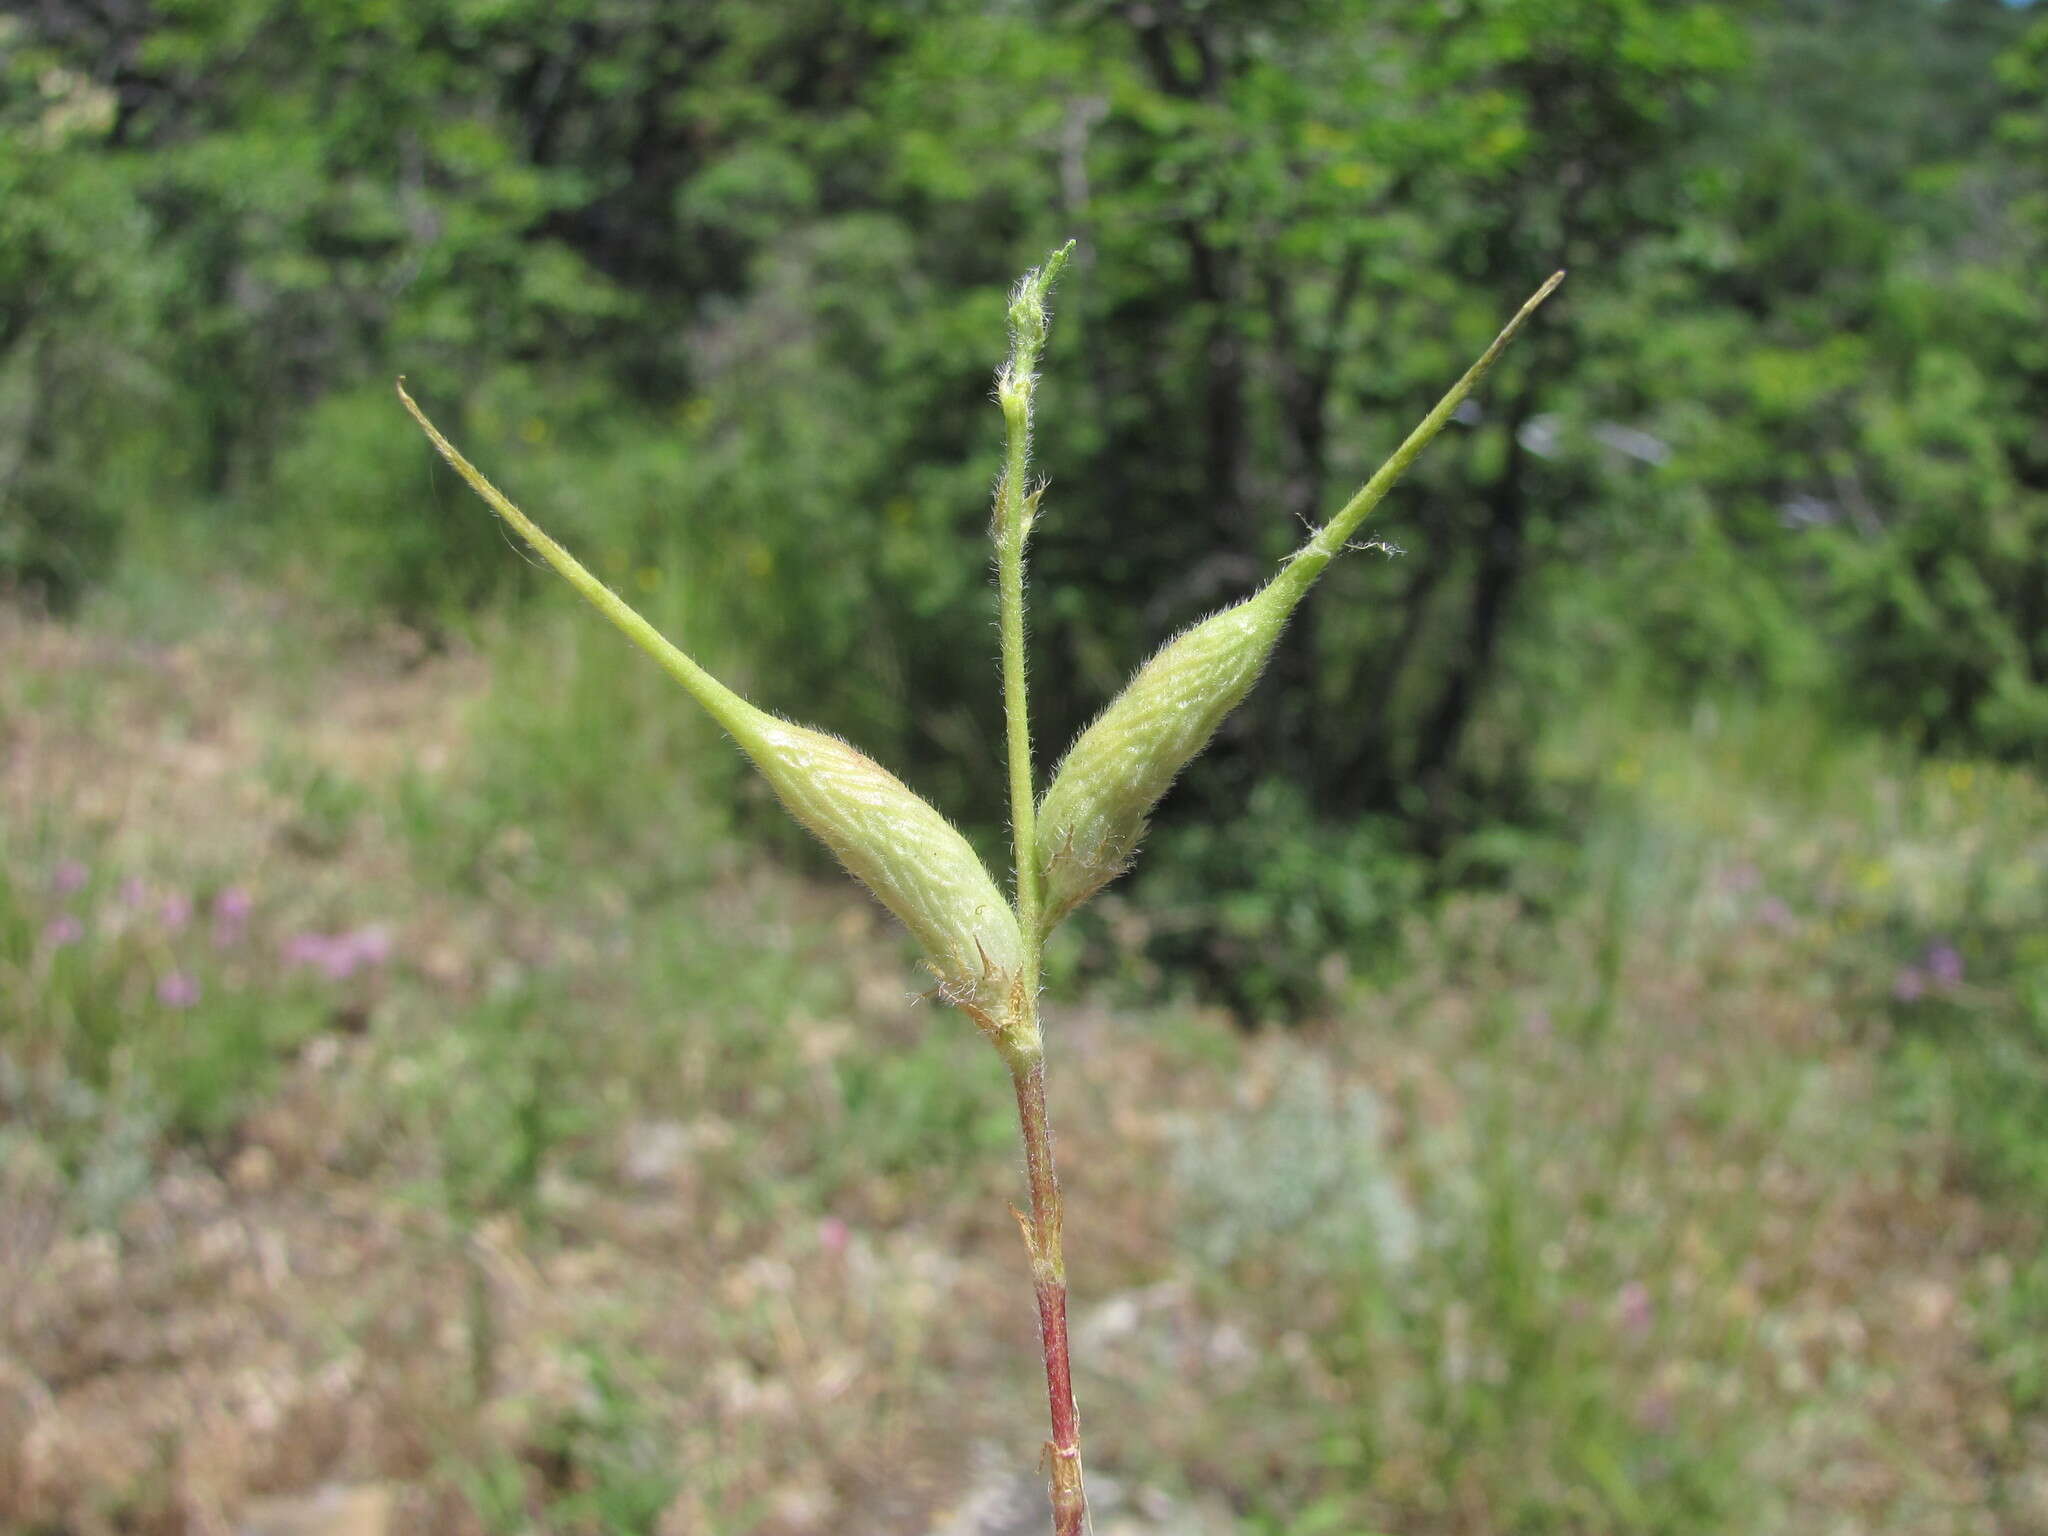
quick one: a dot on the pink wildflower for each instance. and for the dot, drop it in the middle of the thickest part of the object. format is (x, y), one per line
(231, 910)
(180, 989)
(174, 911)
(338, 956)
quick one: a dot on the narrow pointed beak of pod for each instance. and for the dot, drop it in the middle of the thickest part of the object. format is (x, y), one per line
(1099, 801)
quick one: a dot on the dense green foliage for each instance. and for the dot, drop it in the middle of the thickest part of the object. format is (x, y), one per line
(712, 289)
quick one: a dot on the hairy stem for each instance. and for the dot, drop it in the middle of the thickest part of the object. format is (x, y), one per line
(1016, 505)
(1020, 1041)
(1013, 519)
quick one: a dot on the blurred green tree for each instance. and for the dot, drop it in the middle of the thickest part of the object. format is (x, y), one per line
(701, 279)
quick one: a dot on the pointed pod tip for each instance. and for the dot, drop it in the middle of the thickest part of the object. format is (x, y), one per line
(1049, 269)
(446, 449)
(412, 407)
(1529, 307)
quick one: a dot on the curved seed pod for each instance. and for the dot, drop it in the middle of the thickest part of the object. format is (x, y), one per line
(1095, 811)
(893, 842)
(889, 839)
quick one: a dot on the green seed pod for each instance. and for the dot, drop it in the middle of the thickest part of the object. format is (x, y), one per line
(1095, 811)
(894, 843)
(899, 847)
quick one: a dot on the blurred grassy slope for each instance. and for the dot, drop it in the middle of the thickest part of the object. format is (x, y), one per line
(516, 1143)
(739, 265)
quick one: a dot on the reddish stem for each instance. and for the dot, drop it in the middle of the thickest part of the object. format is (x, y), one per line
(1049, 1281)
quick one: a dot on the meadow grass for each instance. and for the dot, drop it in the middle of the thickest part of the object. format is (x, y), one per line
(1685, 1186)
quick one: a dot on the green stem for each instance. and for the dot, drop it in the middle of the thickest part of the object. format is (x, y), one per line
(1016, 384)
(1013, 527)
(1022, 1051)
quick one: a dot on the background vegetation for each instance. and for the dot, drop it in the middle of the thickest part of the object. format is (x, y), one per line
(354, 889)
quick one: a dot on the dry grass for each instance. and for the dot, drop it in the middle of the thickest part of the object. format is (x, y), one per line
(1644, 1248)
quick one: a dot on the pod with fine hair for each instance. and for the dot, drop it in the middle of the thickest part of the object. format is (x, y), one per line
(897, 845)
(1096, 809)
(892, 841)
(1099, 801)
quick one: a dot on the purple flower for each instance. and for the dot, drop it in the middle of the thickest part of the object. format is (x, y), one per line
(319, 952)
(1910, 985)
(1774, 914)
(338, 956)
(133, 891)
(230, 916)
(174, 911)
(69, 876)
(834, 1234)
(180, 989)
(64, 928)
(1945, 965)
